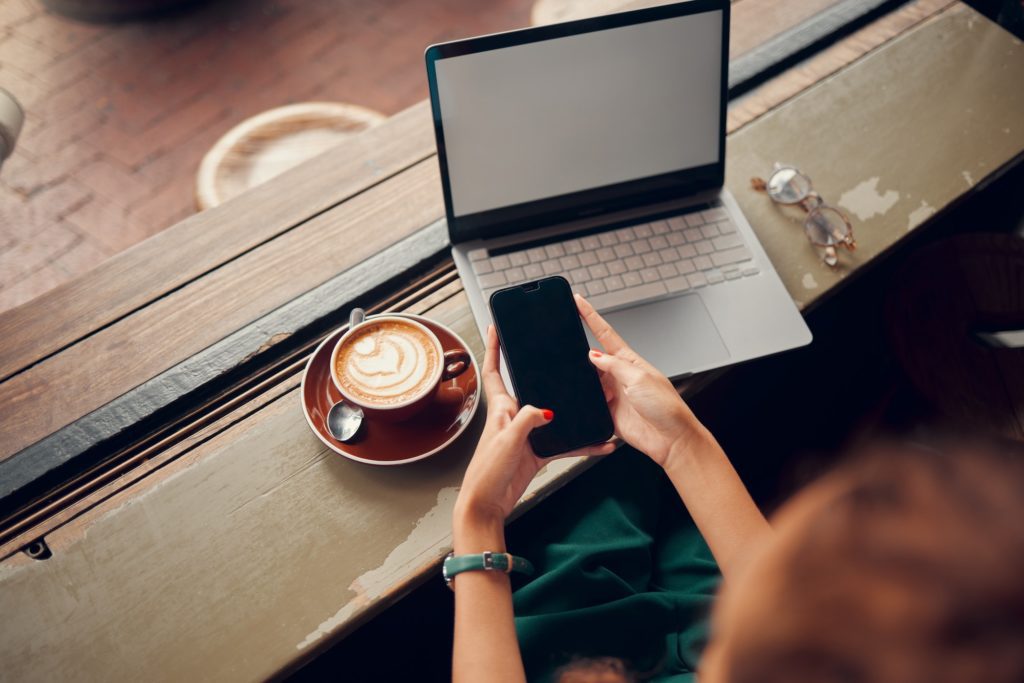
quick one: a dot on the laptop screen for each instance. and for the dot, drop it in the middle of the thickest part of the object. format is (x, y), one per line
(526, 124)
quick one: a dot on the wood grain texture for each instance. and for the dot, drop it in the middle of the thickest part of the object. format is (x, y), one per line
(126, 354)
(206, 241)
(256, 547)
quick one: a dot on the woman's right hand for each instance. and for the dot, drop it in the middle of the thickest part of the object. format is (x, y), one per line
(648, 412)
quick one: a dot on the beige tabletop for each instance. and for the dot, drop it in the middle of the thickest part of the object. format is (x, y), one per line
(258, 545)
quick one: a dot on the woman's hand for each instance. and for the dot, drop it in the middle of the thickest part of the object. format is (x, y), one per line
(504, 463)
(647, 411)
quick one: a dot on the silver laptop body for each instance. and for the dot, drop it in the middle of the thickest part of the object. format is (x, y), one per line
(595, 150)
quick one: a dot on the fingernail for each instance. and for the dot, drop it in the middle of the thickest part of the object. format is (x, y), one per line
(595, 353)
(548, 414)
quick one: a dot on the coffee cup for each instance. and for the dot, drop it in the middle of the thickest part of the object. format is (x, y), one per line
(392, 366)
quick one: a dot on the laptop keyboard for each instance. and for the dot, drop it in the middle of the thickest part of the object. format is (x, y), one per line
(631, 264)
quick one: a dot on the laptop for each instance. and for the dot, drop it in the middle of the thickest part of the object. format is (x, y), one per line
(595, 150)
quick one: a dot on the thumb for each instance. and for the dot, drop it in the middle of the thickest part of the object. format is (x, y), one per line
(526, 420)
(622, 371)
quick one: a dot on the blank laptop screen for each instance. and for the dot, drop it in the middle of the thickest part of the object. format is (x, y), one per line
(549, 118)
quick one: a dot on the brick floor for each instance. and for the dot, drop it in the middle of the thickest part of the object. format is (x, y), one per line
(118, 117)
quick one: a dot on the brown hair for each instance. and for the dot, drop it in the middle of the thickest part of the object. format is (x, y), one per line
(912, 572)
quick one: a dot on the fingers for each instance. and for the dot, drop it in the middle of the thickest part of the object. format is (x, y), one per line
(605, 448)
(622, 371)
(604, 332)
(491, 376)
(526, 420)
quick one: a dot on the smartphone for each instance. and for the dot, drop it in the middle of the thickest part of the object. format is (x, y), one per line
(545, 351)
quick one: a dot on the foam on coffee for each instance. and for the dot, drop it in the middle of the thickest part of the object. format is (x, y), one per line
(387, 363)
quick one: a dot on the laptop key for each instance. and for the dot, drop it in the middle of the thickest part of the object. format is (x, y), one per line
(625, 234)
(554, 250)
(579, 276)
(732, 275)
(669, 254)
(477, 254)
(709, 231)
(723, 242)
(736, 255)
(533, 271)
(595, 287)
(641, 246)
(677, 284)
(628, 296)
(599, 271)
(715, 214)
(726, 227)
(519, 258)
(569, 262)
(667, 270)
(588, 258)
(634, 263)
(677, 223)
(623, 250)
(643, 231)
(604, 254)
(749, 269)
(714, 276)
(608, 239)
(537, 254)
(616, 267)
(573, 246)
(482, 267)
(659, 227)
(693, 235)
(685, 267)
(658, 242)
(702, 262)
(649, 275)
(687, 251)
(632, 279)
(704, 247)
(515, 275)
(590, 243)
(501, 262)
(696, 280)
(551, 267)
(492, 280)
(676, 239)
(613, 283)
(651, 259)
(694, 220)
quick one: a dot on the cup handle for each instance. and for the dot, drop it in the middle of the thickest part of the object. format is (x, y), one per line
(456, 362)
(356, 317)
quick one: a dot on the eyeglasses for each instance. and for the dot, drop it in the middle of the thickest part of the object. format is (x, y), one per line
(826, 226)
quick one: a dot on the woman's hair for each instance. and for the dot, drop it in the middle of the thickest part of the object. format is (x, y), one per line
(911, 572)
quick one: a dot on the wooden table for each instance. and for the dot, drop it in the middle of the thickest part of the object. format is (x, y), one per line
(219, 539)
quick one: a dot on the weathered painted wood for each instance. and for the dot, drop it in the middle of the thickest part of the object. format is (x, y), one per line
(256, 547)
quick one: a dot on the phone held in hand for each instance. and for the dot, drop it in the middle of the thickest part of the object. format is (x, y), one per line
(545, 351)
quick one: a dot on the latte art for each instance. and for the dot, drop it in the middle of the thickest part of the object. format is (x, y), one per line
(387, 363)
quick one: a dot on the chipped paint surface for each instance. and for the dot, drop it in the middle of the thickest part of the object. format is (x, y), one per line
(809, 282)
(919, 215)
(430, 535)
(866, 201)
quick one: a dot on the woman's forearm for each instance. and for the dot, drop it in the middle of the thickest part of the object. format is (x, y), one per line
(717, 499)
(486, 648)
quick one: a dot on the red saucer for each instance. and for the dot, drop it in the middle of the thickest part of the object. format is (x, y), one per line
(380, 443)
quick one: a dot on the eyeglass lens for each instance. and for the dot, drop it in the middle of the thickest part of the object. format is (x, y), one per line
(788, 186)
(826, 226)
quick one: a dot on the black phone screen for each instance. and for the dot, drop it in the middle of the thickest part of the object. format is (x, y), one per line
(545, 349)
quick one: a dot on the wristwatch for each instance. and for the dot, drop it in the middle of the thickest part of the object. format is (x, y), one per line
(485, 561)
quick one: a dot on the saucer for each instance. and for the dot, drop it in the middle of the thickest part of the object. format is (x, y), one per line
(395, 443)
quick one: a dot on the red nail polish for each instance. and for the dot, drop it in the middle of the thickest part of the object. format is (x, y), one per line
(548, 414)
(597, 354)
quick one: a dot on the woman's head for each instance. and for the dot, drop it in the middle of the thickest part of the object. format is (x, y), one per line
(905, 565)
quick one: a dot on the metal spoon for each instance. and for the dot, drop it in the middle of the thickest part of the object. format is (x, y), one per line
(343, 419)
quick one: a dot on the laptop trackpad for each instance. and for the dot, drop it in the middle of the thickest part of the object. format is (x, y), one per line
(675, 335)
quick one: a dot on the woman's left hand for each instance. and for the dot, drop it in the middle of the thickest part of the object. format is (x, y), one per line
(504, 463)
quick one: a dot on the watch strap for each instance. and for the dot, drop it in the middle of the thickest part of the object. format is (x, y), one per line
(485, 561)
